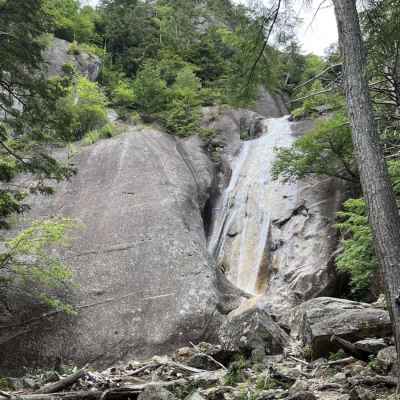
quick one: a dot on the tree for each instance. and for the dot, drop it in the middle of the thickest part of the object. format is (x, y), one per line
(383, 213)
(27, 104)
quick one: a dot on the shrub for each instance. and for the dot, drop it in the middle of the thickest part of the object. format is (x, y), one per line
(82, 110)
(358, 256)
(27, 266)
(123, 95)
(106, 132)
(150, 90)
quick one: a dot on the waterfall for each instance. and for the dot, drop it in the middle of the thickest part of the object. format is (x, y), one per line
(239, 238)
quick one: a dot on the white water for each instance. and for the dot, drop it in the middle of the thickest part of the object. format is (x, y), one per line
(239, 237)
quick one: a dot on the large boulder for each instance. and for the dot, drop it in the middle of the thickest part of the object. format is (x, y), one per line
(251, 330)
(144, 283)
(315, 321)
(59, 54)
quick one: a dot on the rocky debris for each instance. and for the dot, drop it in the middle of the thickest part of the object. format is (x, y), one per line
(171, 378)
(386, 360)
(58, 55)
(251, 330)
(314, 322)
(371, 345)
(156, 393)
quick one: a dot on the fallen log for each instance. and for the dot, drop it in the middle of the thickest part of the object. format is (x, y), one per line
(350, 348)
(110, 394)
(62, 383)
(347, 360)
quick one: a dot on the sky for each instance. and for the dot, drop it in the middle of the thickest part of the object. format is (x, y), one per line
(317, 31)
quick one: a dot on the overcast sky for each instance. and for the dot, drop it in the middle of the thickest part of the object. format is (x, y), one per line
(315, 34)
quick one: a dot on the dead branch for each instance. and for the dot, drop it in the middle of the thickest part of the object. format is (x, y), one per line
(374, 380)
(209, 357)
(317, 76)
(347, 360)
(350, 348)
(62, 383)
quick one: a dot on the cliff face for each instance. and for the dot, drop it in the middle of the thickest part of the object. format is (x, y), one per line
(145, 282)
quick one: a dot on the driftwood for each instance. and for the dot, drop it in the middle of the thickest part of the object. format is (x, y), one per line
(350, 348)
(114, 393)
(62, 383)
(347, 360)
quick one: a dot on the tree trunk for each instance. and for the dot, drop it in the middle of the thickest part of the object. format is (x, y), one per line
(382, 208)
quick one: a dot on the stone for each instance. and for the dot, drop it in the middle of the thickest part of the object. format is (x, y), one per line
(250, 329)
(57, 55)
(371, 345)
(339, 377)
(302, 396)
(386, 359)
(359, 393)
(141, 269)
(195, 396)
(156, 393)
(300, 385)
(315, 321)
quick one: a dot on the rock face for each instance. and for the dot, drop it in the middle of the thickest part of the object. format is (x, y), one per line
(270, 105)
(144, 281)
(58, 54)
(314, 322)
(272, 238)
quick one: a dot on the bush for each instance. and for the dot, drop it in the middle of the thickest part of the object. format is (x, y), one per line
(83, 109)
(123, 95)
(106, 132)
(358, 256)
(326, 150)
(27, 266)
(150, 90)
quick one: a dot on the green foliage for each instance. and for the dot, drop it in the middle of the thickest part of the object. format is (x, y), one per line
(357, 257)
(71, 22)
(27, 103)
(235, 372)
(123, 95)
(27, 266)
(83, 109)
(150, 90)
(265, 382)
(337, 356)
(106, 132)
(326, 150)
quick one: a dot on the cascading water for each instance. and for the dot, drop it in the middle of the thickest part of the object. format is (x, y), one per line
(239, 238)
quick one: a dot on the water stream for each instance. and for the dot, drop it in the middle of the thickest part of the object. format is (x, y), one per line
(239, 238)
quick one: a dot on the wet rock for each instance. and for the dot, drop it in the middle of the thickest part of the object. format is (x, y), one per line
(314, 322)
(371, 345)
(156, 393)
(283, 249)
(250, 329)
(387, 359)
(359, 393)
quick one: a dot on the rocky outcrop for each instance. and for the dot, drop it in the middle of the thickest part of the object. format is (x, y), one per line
(59, 54)
(314, 322)
(144, 284)
(252, 331)
(270, 105)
